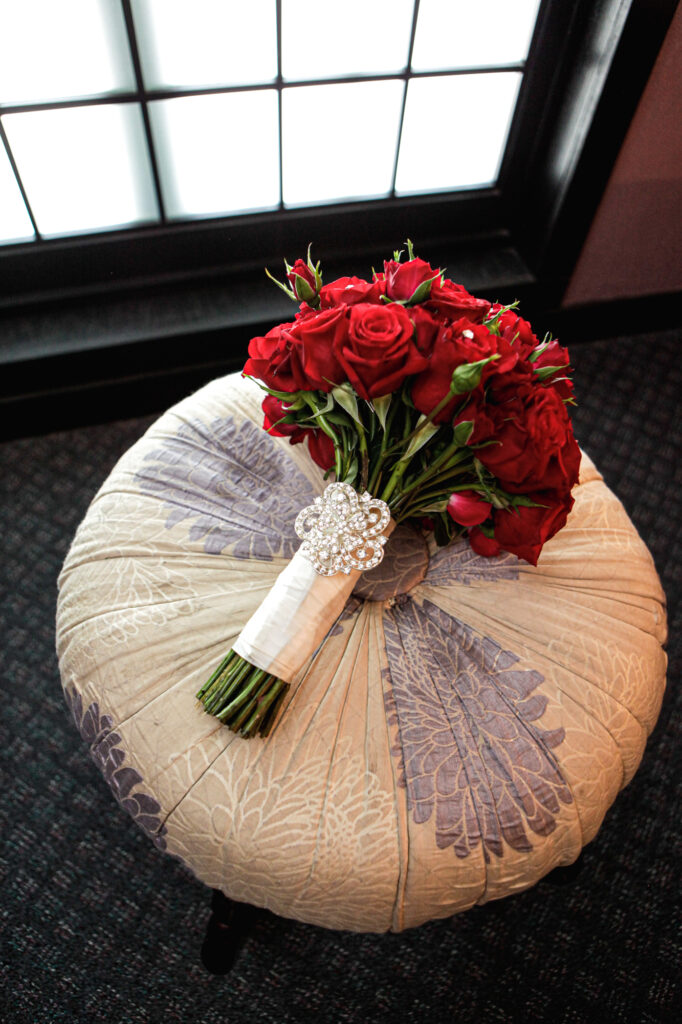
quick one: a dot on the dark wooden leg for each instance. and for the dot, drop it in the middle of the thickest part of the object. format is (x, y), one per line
(226, 933)
(567, 875)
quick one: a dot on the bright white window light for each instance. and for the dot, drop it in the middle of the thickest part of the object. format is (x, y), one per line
(194, 43)
(219, 153)
(329, 40)
(62, 49)
(454, 131)
(462, 34)
(339, 141)
(15, 223)
(83, 168)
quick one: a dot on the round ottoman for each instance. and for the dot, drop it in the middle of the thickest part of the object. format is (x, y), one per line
(461, 731)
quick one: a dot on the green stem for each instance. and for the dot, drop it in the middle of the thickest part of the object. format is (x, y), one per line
(260, 717)
(448, 461)
(238, 673)
(244, 693)
(221, 667)
(424, 423)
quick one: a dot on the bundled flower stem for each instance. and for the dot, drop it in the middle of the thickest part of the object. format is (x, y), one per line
(446, 407)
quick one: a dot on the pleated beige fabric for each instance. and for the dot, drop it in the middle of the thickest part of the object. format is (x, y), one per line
(462, 729)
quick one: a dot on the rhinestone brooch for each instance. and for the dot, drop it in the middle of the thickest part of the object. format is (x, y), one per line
(343, 530)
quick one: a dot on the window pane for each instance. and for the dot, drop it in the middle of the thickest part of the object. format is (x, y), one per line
(206, 42)
(15, 223)
(83, 168)
(62, 49)
(461, 34)
(218, 154)
(455, 130)
(327, 40)
(352, 151)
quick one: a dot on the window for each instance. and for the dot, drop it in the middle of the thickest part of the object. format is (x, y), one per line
(148, 141)
(142, 112)
(139, 204)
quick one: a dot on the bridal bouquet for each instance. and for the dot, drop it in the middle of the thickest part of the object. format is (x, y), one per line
(426, 404)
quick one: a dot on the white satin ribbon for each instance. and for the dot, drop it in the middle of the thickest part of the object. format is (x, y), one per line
(298, 612)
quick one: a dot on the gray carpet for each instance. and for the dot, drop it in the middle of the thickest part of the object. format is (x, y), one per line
(97, 926)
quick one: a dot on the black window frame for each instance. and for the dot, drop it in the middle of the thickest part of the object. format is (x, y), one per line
(588, 64)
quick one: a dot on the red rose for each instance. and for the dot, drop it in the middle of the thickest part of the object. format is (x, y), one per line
(274, 410)
(515, 330)
(301, 270)
(523, 531)
(403, 279)
(459, 343)
(555, 354)
(468, 508)
(534, 444)
(315, 339)
(350, 290)
(379, 352)
(274, 360)
(454, 301)
(321, 449)
(300, 356)
(426, 327)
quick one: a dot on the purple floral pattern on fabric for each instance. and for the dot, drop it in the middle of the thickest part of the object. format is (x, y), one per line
(404, 566)
(107, 752)
(457, 562)
(469, 746)
(237, 486)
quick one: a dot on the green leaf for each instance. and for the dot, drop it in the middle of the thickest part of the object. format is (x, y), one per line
(287, 291)
(422, 291)
(443, 529)
(380, 407)
(543, 372)
(537, 351)
(420, 438)
(294, 399)
(435, 506)
(468, 376)
(410, 249)
(352, 471)
(344, 395)
(462, 432)
(521, 501)
(303, 289)
(314, 268)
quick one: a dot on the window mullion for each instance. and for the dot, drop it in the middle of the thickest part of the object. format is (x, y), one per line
(278, 11)
(408, 69)
(17, 175)
(137, 66)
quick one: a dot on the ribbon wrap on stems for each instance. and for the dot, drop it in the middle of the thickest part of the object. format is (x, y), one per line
(343, 535)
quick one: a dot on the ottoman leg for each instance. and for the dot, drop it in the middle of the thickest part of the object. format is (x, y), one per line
(226, 933)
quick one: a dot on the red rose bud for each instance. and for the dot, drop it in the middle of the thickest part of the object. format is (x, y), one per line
(468, 508)
(409, 282)
(302, 280)
(483, 545)
(275, 412)
(321, 449)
